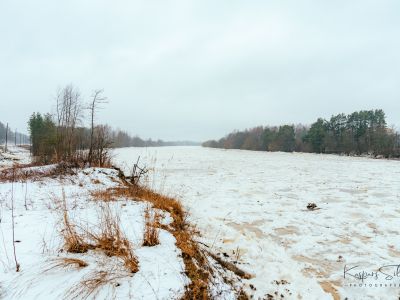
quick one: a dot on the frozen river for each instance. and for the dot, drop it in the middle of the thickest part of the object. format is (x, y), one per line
(252, 206)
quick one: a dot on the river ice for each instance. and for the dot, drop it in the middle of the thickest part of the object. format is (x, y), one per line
(252, 206)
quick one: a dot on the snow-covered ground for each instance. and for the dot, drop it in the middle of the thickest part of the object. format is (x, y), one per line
(38, 220)
(252, 205)
(13, 155)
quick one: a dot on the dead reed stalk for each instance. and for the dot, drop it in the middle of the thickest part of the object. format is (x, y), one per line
(74, 242)
(151, 230)
(17, 265)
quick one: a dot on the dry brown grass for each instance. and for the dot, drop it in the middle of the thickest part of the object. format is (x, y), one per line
(97, 280)
(23, 172)
(103, 195)
(74, 262)
(112, 241)
(106, 237)
(162, 202)
(151, 230)
(109, 237)
(68, 262)
(196, 264)
(73, 242)
(16, 173)
(90, 286)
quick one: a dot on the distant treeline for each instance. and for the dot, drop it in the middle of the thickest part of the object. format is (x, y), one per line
(122, 139)
(62, 136)
(362, 132)
(44, 130)
(12, 136)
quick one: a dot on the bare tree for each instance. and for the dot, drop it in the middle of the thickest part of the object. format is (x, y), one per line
(102, 142)
(69, 110)
(95, 104)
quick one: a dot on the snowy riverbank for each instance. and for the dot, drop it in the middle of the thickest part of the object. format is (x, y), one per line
(48, 271)
(252, 205)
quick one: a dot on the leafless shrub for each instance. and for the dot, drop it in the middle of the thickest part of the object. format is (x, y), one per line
(138, 173)
(96, 154)
(100, 155)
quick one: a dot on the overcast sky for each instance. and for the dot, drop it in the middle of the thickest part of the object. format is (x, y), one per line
(195, 70)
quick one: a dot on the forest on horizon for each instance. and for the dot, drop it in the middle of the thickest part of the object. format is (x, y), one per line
(43, 127)
(358, 133)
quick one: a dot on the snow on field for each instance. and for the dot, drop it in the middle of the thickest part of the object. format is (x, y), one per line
(13, 155)
(252, 205)
(39, 246)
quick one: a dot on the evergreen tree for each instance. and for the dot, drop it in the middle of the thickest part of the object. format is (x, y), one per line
(316, 136)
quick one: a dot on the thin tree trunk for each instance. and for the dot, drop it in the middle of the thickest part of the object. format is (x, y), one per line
(17, 266)
(5, 148)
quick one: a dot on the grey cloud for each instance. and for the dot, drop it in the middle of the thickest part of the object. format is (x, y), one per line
(198, 69)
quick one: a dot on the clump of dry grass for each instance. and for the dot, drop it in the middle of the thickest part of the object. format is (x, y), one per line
(112, 241)
(151, 230)
(97, 280)
(162, 202)
(108, 237)
(103, 195)
(91, 285)
(68, 262)
(73, 241)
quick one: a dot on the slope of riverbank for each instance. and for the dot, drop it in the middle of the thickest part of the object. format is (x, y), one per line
(73, 240)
